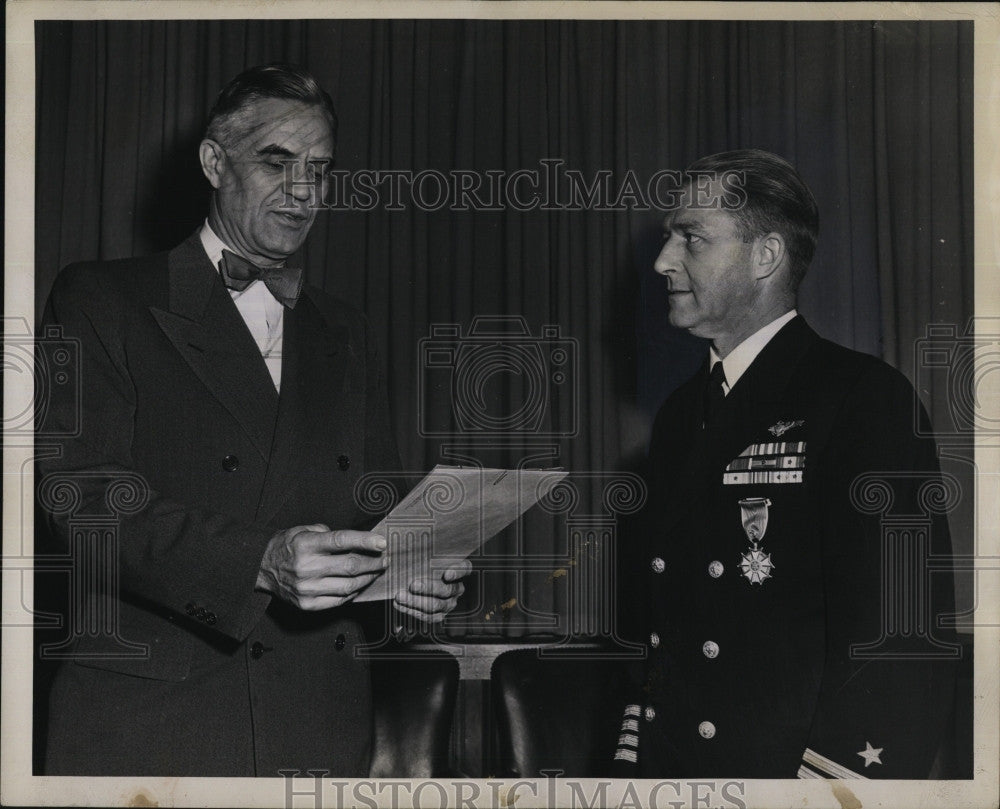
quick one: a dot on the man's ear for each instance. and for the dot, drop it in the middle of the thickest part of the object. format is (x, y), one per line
(770, 255)
(213, 161)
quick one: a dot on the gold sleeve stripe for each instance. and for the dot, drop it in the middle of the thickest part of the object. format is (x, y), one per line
(628, 740)
(828, 766)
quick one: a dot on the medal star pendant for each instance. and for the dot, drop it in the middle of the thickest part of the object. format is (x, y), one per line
(756, 565)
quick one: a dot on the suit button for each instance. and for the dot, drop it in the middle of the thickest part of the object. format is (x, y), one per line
(649, 713)
(230, 463)
(257, 650)
(201, 613)
(715, 569)
(658, 565)
(344, 463)
(340, 642)
(654, 640)
(190, 609)
(210, 618)
(710, 649)
(707, 730)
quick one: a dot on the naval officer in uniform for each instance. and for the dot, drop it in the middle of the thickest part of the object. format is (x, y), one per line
(775, 610)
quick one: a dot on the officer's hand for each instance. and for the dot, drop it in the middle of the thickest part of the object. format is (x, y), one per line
(431, 599)
(315, 568)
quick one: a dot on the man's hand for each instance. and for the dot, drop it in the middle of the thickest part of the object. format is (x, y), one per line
(315, 568)
(431, 599)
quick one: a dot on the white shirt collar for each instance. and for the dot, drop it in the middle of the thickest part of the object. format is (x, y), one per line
(213, 244)
(262, 313)
(741, 357)
(272, 311)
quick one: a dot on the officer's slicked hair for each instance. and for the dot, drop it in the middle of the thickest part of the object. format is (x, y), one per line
(264, 81)
(777, 201)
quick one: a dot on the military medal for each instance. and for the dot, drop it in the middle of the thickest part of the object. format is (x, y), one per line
(755, 564)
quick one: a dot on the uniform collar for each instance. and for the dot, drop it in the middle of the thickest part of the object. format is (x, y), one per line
(741, 357)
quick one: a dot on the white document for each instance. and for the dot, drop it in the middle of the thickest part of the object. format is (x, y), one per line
(449, 515)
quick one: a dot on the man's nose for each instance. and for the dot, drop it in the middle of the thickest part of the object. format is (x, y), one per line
(307, 186)
(667, 260)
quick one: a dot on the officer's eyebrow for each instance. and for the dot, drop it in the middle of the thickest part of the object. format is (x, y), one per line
(686, 225)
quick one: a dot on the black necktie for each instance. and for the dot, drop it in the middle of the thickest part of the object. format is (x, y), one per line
(285, 283)
(715, 394)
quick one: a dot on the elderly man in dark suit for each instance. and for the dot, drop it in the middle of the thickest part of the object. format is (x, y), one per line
(242, 407)
(776, 610)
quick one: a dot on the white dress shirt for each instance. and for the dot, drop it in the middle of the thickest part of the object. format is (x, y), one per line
(260, 310)
(740, 358)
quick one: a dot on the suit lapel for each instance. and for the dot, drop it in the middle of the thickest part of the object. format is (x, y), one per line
(315, 353)
(207, 330)
(753, 401)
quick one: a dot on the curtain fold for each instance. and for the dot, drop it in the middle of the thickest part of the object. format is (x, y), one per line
(877, 117)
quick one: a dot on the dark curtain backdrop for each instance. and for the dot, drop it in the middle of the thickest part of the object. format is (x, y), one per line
(877, 117)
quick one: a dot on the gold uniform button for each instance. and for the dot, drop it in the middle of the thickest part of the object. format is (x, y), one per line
(658, 565)
(706, 730)
(715, 569)
(710, 649)
(654, 640)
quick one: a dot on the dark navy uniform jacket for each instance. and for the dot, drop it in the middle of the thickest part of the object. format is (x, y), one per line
(823, 646)
(174, 392)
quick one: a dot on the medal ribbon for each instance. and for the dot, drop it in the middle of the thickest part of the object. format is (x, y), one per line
(754, 514)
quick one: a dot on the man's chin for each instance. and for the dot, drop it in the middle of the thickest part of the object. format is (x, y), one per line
(679, 320)
(281, 249)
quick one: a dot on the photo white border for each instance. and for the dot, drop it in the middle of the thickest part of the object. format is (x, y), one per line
(18, 787)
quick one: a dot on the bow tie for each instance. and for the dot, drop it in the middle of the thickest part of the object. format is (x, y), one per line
(285, 283)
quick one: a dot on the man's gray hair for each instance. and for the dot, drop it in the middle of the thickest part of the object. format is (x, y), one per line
(265, 81)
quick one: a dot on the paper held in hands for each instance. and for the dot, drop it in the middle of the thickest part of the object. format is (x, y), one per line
(449, 515)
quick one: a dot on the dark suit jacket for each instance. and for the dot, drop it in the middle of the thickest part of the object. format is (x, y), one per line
(174, 391)
(759, 680)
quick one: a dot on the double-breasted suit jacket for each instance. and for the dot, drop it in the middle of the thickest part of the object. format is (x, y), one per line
(812, 651)
(174, 392)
